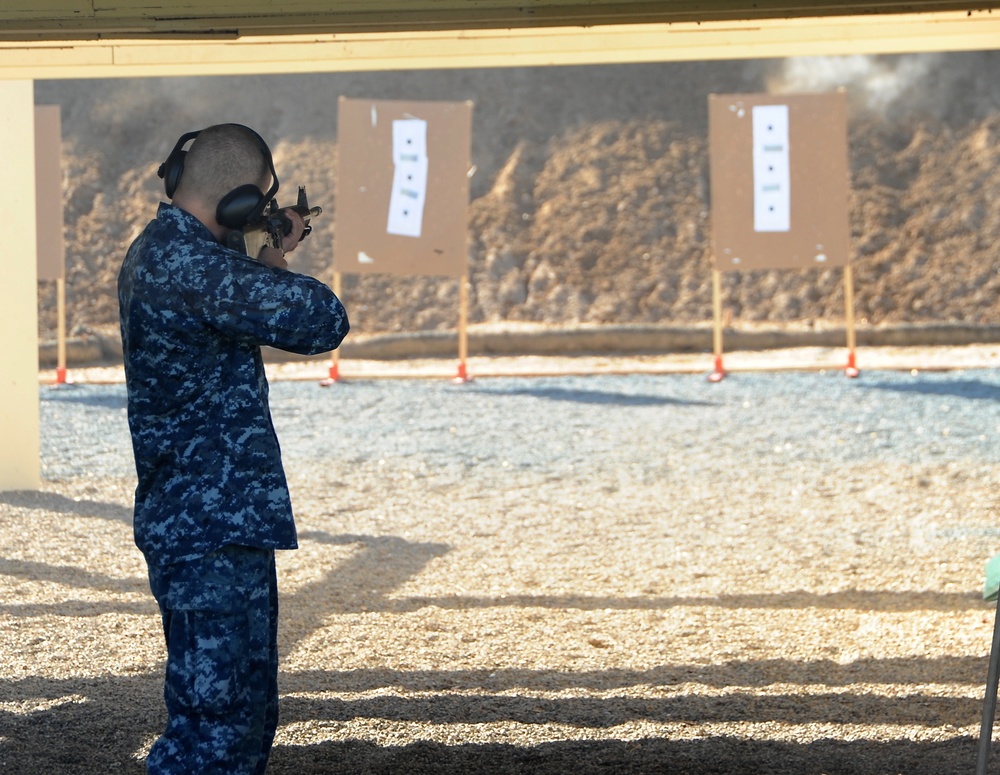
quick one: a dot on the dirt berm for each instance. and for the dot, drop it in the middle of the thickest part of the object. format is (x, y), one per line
(590, 204)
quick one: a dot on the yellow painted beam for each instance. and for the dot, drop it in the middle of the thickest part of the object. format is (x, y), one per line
(502, 48)
(66, 19)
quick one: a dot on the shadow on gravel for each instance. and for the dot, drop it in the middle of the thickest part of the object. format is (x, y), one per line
(382, 564)
(749, 673)
(72, 576)
(83, 726)
(964, 388)
(51, 501)
(849, 600)
(599, 713)
(599, 397)
(648, 756)
(99, 725)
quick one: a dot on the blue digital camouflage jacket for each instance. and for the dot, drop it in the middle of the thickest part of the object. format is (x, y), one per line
(193, 317)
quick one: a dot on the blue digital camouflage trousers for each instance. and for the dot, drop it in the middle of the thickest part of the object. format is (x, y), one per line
(220, 619)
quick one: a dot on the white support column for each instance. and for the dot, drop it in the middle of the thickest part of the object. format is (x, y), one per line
(20, 467)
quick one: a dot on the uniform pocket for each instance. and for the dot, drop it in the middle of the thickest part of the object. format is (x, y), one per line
(208, 644)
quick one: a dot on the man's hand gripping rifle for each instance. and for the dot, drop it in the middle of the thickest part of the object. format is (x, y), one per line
(272, 226)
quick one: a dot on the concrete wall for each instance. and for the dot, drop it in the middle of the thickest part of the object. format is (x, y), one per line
(19, 405)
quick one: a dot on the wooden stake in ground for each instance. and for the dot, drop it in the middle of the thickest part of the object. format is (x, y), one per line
(718, 372)
(463, 329)
(334, 375)
(852, 367)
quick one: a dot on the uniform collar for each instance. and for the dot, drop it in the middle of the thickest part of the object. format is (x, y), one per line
(183, 221)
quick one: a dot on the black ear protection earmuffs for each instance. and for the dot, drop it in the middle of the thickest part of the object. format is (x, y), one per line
(244, 204)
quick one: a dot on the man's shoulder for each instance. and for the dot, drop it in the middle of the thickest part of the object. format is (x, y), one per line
(178, 234)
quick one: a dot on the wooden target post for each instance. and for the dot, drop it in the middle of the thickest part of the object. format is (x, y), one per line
(334, 373)
(462, 375)
(779, 186)
(852, 340)
(403, 194)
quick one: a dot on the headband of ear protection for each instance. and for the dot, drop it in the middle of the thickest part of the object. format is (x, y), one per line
(241, 206)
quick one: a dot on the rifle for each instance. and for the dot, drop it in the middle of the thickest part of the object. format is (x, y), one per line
(272, 226)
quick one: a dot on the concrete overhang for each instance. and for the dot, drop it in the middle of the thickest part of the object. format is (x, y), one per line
(552, 34)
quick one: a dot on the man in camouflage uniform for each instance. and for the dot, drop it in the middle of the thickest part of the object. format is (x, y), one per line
(212, 503)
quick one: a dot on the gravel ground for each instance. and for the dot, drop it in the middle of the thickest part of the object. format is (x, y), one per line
(778, 573)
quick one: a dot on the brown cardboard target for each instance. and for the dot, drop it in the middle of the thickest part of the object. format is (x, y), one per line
(779, 181)
(48, 193)
(402, 187)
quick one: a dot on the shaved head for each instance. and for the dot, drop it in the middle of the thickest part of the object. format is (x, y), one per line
(222, 158)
